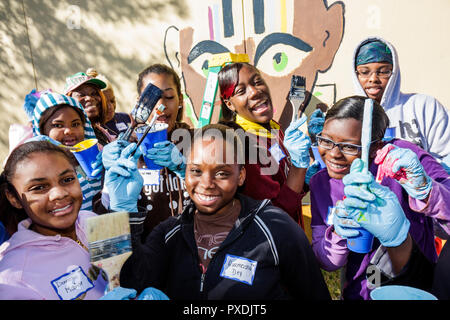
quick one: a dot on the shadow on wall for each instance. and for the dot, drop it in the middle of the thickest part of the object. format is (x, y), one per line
(60, 48)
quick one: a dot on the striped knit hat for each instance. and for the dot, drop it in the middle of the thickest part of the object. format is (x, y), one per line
(52, 99)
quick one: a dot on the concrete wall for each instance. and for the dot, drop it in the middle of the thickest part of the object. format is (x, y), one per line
(120, 38)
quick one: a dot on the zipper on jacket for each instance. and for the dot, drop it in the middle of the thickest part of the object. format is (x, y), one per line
(202, 279)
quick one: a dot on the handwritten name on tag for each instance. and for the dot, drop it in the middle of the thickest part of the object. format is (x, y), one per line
(239, 269)
(151, 177)
(71, 285)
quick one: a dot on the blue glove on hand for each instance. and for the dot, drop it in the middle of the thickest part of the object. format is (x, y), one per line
(312, 170)
(374, 207)
(417, 183)
(112, 151)
(120, 293)
(97, 165)
(42, 137)
(315, 122)
(166, 154)
(343, 224)
(152, 294)
(124, 182)
(298, 144)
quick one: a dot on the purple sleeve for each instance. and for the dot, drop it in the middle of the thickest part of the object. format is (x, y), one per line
(330, 249)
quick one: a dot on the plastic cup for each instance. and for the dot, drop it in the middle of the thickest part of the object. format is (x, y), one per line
(400, 293)
(86, 155)
(361, 243)
(157, 134)
(315, 150)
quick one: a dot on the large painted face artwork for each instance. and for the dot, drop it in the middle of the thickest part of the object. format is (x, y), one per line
(281, 37)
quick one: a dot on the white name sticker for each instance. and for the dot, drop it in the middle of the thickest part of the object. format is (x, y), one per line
(276, 152)
(121, 126)
(239, 269)
(151, 177)
(71, 285)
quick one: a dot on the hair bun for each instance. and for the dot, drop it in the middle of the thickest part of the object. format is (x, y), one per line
(92, 72)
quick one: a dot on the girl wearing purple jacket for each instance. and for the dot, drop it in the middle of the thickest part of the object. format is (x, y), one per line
(422, 190)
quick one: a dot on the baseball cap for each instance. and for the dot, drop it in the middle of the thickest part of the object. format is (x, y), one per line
(77, 79)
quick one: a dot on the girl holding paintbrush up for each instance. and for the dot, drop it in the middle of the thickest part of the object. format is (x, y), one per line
(413, 190)
(276, 161)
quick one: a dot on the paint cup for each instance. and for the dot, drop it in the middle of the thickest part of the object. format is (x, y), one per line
(361, 243)
(86, 155)
(315, 150)
(389, 134)
(400, 293)
(157, 134)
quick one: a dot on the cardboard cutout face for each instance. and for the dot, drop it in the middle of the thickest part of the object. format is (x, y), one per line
(282, 38)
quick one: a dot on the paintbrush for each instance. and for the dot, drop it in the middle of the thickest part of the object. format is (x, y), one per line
(366, 140)
(158, 112)
(297, 95)
(143, 108)
(109, 242)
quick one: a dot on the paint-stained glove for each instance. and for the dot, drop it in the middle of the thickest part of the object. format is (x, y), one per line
(374, 207)
(124, 182)
(298, 144)
(315, 123)
(404, 166)
(166, 154)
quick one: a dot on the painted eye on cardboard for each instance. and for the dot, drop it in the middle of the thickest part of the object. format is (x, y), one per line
(200, 54)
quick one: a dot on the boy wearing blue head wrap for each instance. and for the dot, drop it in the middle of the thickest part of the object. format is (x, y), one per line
(417, 118)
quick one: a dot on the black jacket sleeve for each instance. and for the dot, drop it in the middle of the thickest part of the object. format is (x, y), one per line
(441, 281)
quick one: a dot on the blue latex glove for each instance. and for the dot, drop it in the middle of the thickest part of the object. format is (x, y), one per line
(375, 207)
(315, 122)
(97, 165)
(44, 138)
(343, 224)
(417, 183)
(312, 170)
(112, 151)
(297, 143)
(124, 182)
(166, 154)
(152, 294)
(120, 293)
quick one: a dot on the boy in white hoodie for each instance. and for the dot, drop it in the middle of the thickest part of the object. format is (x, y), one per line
(414, 117)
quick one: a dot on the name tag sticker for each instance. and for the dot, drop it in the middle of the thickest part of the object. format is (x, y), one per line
(121, 126)
(276, 152)
(71, 285)
(151, 177)
(239, 269)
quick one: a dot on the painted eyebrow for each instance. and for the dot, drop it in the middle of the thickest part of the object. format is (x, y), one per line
(205, 46)
(280, 38)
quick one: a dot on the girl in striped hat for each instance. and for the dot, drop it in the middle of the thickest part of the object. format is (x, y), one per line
(62, 119)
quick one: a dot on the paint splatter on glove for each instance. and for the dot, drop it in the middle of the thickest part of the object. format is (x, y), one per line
(404, 166)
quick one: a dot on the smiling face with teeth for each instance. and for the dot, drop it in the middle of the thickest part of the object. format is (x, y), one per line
(65, 125)
(53, 193)
(345, 131)
(251, 97)
(210, 181)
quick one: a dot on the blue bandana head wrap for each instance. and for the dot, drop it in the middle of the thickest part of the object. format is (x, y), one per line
(374, 51)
